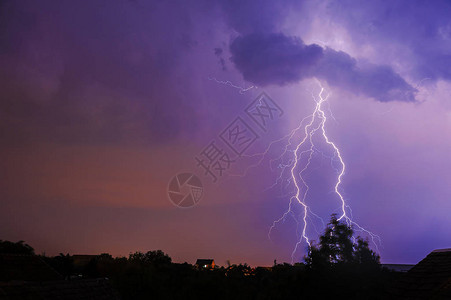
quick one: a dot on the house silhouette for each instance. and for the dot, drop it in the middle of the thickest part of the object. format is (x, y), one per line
(205, 263)
(429, 279)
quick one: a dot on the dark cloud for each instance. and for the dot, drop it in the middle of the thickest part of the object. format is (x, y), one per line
(416, 34)
(274, 58)
(278, 59)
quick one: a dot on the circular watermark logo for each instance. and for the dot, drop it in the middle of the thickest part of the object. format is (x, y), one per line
(185, 190)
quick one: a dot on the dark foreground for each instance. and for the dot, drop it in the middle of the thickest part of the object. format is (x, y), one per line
(141, 280)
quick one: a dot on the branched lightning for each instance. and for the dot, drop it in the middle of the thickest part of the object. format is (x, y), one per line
(300, 155)
(298, 166)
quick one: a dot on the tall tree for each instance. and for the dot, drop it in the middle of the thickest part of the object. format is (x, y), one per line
(336, 246)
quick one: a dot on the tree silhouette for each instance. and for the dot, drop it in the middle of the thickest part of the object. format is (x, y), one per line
(336, 247)
(157, 257)
(364, 256)
(19, 247)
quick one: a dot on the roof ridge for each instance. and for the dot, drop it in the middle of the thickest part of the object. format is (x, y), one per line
(442, 250)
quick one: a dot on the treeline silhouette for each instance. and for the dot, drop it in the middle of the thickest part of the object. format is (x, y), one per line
(337, 267)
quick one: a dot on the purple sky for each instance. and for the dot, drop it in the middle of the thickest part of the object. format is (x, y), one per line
(102, 102)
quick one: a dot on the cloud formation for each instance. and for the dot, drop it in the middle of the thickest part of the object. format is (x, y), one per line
(274, 58)
(418, 32)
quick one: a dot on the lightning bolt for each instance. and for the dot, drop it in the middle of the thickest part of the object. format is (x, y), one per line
(298, 166)
(315, 123)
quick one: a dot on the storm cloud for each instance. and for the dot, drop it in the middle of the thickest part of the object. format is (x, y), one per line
(418, 33)
(275, 58)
